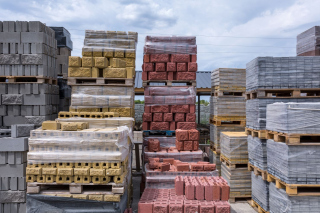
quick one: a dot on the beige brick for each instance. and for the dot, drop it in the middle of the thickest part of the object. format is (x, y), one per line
(97, 52)
(82, 125)
(130, 72)
(110, 114)
(63, 114)
(50, 125)
(130, 62)
(78, 179)
(97, 165)
(108, 52)
(96, 197)
(31, 178)
(64, 179)
(111, 34)
(105, 179)
(100, 62)
(118, 53)
(117, 63)
(86, 179)
(34, 171)
(74, 61)
(65, 171)
(49, 171)
(33, 189)
(123, 112)
(114, 73)
(118, 179)
(41, 178)
(96, 115)
(96, 179)
(69, 126)
(81, 172)
(64, 195)
(97, 172)
(80, 196)
(50, 178)
(79, 72)
(115, 165)
(87, 62)
(113, 172)
(112, 198)
(87, 52)
(95, 72)
(130, 54)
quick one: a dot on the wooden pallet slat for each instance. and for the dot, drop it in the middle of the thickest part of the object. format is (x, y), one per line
(234, 199)
(233, 164)
(262, 134)
(257, 207)
(218, 93)
(28, 79)
(170, 82)
(294, 139)
(257, 171)
(87, 81)
(283, 93)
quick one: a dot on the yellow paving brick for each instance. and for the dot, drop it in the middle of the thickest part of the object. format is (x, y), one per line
(65, 171)
(97, 172)
(50, 178)
(87, 52)
(49, 171)
(97, 52)
(87, 62)
(79, 72)
(69, 126)
(112, 198)
(31, 178)
(114, 72)
(81, 172)
(74, 61)
(130, 72)
(80, 196)
(96, 197)
(130, 53)
(50, 125)
(130, 62)
(108, 52)
(118, 53)
(101, 62)
(117, 63)
(41, 178)
(34, 171)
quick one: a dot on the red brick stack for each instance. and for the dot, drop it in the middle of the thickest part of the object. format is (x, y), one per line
(170, 58)
(166, 200)
(187, 140)
(169, 108)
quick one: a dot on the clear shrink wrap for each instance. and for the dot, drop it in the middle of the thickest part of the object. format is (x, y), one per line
(215, 132)
(309, 41)
(234, 146)
(228, 106)
(280, 202)
(228, 79)
(260, 191)
(89, 145)
(170, 45)
(165, 142)
(301, 118)
(294, 164)
(257, 150)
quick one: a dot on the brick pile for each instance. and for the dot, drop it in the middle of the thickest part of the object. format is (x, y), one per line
(29, 94)
(166, 200)
(169, 58)
(187, 140)
(172, 165)
(308, 42)
(169, 108)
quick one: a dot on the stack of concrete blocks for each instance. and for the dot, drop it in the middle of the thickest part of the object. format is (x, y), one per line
(103, 161)
(167, 200)
(308, 42)
(234, 157)
(170, 58)
(27, 69)
(257, 150)
(108, 58)
(64, 48)
(13, 159)
(260, 191)
(227, 104)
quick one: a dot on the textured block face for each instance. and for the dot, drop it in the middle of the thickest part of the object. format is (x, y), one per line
(181, 67)
(186, 76)
(114, 73)
(171, 67)
(191, 117)
(9, 59)
(74, 61)
(87, 62)
(159, 126)
(192, 67)
(79, 72)
(21, 130)
(194, 135)
(157, 75)
(147, 117)
(168, 117)
(154, 145)
(180, 58)
(159, 58)
(182, 135)
(187, 145)
(12, 99)
(179, 117)
(186, 125)
(160, 67)
(160, 108)
(180, 108)
(100, 62)
(148, 67)
(158, 117)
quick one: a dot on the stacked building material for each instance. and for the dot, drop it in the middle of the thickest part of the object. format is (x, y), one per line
(227, 105)
(257, 151)
(260, 191)
(13, 159)
(27, 73)
(64, 48)
(308, 42)
(234, 158)
(102, 80)
(167, 200)
(169, 58)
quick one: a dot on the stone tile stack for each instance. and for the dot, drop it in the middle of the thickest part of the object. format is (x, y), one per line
(13, 159)
(260, 191)
(308, 42)
(227, 105)
(29, 94)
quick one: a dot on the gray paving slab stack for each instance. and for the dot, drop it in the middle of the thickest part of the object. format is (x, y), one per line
(260, 191)
(257, 150)
(280, 202)
(13, 159)
(308, 42)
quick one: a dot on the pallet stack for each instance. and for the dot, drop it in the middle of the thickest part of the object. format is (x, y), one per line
(13, 159)
(227, 106)
(169, 60)
(64, 48)
(271, 80)
(293, 154)
(308, 42)
(234, 161)
(28, 84)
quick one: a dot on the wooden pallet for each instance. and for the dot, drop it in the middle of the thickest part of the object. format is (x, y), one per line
(88, 81)
(262, 134)
(258, 171)
(283, 93)
(167, 133)
(233, 164)
(170, 82)
(28, 79)
(220, 122)
(257, 207)
(239, 198)
(215, 149)
(218, 93)
(295, 189)
(294, 139)
(75, 188)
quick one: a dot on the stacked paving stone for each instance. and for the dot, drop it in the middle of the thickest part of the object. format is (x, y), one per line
(27, 72)
(260, 191)
(227, 105)
(169, 108)
(166, 200)
(281, 202)
(170, 58)
(108, 61)
(257, 150)
(234, 157)
(64, 48)
(13, 159)
(308, 42)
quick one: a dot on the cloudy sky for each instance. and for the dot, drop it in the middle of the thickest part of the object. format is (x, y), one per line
(229, 33)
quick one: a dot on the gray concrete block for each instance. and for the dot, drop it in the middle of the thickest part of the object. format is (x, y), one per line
(36, 26)
(14, 208)
(11, 120)
(33, 37)
(5, 183)
(36, 111)
(7, 207)
(20, 48)
(34, 59)
(11, 158)
(26, 48)
(46, 88)
(34, 70)
(14, 183)
(13, 48)
(13, 144)
(13, 89)
(5, 48)
(5, 133)
(43, 70)
(27, 70)
(21, 71)
(3, 157)
(21, 26)
(26, 110)
(15, 70)
(10, 37)
(1, 30)
(13, 170)
(4, 88)
(35, 89)
(22, 207)
(22, 185)
(12, 99)
(21, 130)
(7, 70)
(3, 110)
(12, 197)
(25, 88)
(37, 120)
(41, 99)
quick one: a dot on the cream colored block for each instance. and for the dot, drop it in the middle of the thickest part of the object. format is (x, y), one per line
(78, 179)
(34, 171)
(97, 172)
(79, 72)
(87, 62)
(82, 165)
(132, 45)
(97, 52)
(95, 72)
(130, 54)
(114, 73)
(49, 171)
(69, 126)
(31, 178)
(110, 114)
(123, 112)
(82, 125)
(115, 165)
(41, 178)
(117, 63)
(63, 114)
(81, 172)
(65, 171)
(130, 72)
(87, 52)
(96, 197)
(86, 179)
(74, 61)
(113, 172)
(130, 62)
(105, 179)
(114, 101)
(64, 195)
(108, 52)
(112, 198)
(80, 196)
(119, 53)
(111, 34)
(97, 165)
(50, 125)
(96, 179)
(50, 178)
(100, 62)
